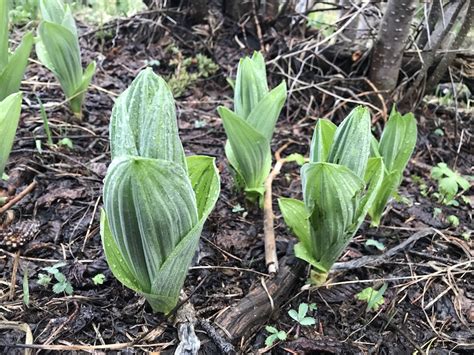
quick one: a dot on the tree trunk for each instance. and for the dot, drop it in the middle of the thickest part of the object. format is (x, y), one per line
(430, 23)
(390, 44)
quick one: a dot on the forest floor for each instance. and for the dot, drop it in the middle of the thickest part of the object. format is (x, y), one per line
(429, 301)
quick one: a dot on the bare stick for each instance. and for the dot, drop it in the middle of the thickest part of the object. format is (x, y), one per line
(18, 197)
(271, 258)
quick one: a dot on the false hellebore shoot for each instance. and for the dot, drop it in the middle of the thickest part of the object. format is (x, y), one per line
(12, 66)
(58, 49)
(156, 200)
(339, 185)
(249, 128)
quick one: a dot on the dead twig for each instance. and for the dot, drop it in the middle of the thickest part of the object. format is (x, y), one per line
(380, 259)
(271, 258)
(18, 197)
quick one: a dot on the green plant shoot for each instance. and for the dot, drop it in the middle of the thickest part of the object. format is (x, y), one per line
(156, 200)
(249, 128)
(396, 147)
(12, 66)
(339, 185)
(10, 109)
(58, 49)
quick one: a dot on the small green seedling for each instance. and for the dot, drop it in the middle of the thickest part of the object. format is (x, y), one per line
(62, 284)
(98, 279)
(300, 316)
(237, 208)
(453, 220)
(375, 243)
(373, 297)
(275, 335)
(449, 182)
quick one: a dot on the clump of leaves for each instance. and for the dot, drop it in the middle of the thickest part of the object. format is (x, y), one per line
(275, 335)
(301, 316)
(374, 298)
(449, 183)
(188, 70)
(61, 285)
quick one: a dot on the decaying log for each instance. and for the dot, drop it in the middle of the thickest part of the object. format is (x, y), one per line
(262, 302)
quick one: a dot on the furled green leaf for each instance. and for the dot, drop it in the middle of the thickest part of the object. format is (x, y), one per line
(265, 115)
(12, 73)
(63, 54)
(3, 35)
(331, 194)
(58, 49)
(58, 12)
(374, 180)
(205, 182)
(166, 279)
(151, 207)
(248, 151)
(398, 141)
(351, 146)
(251, 84)
(10, 109)
(296, 218)
(389, 185)
(144, 123)
(321, 143)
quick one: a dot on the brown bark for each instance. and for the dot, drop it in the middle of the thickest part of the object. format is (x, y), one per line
(254, 310)
(390, 44)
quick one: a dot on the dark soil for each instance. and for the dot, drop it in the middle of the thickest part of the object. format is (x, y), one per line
(429, 302)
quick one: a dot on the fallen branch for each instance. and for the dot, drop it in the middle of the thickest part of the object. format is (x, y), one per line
(381, 259)
(256, 308)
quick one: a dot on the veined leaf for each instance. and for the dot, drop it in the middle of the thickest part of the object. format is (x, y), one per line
(248, 152)
(58, 49)
(331, 193)
(144, 123)
(3, 35)
(58, 12)
(62, 50)
(205, 182)
(321, 143)
(296, 218)
(151, 207)
(398, 140)
(374, 178)
(12, 73)
(389, 186)
(166, 279)
(10, 109)
(251, 84)
(351, 145)
(265, 115)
